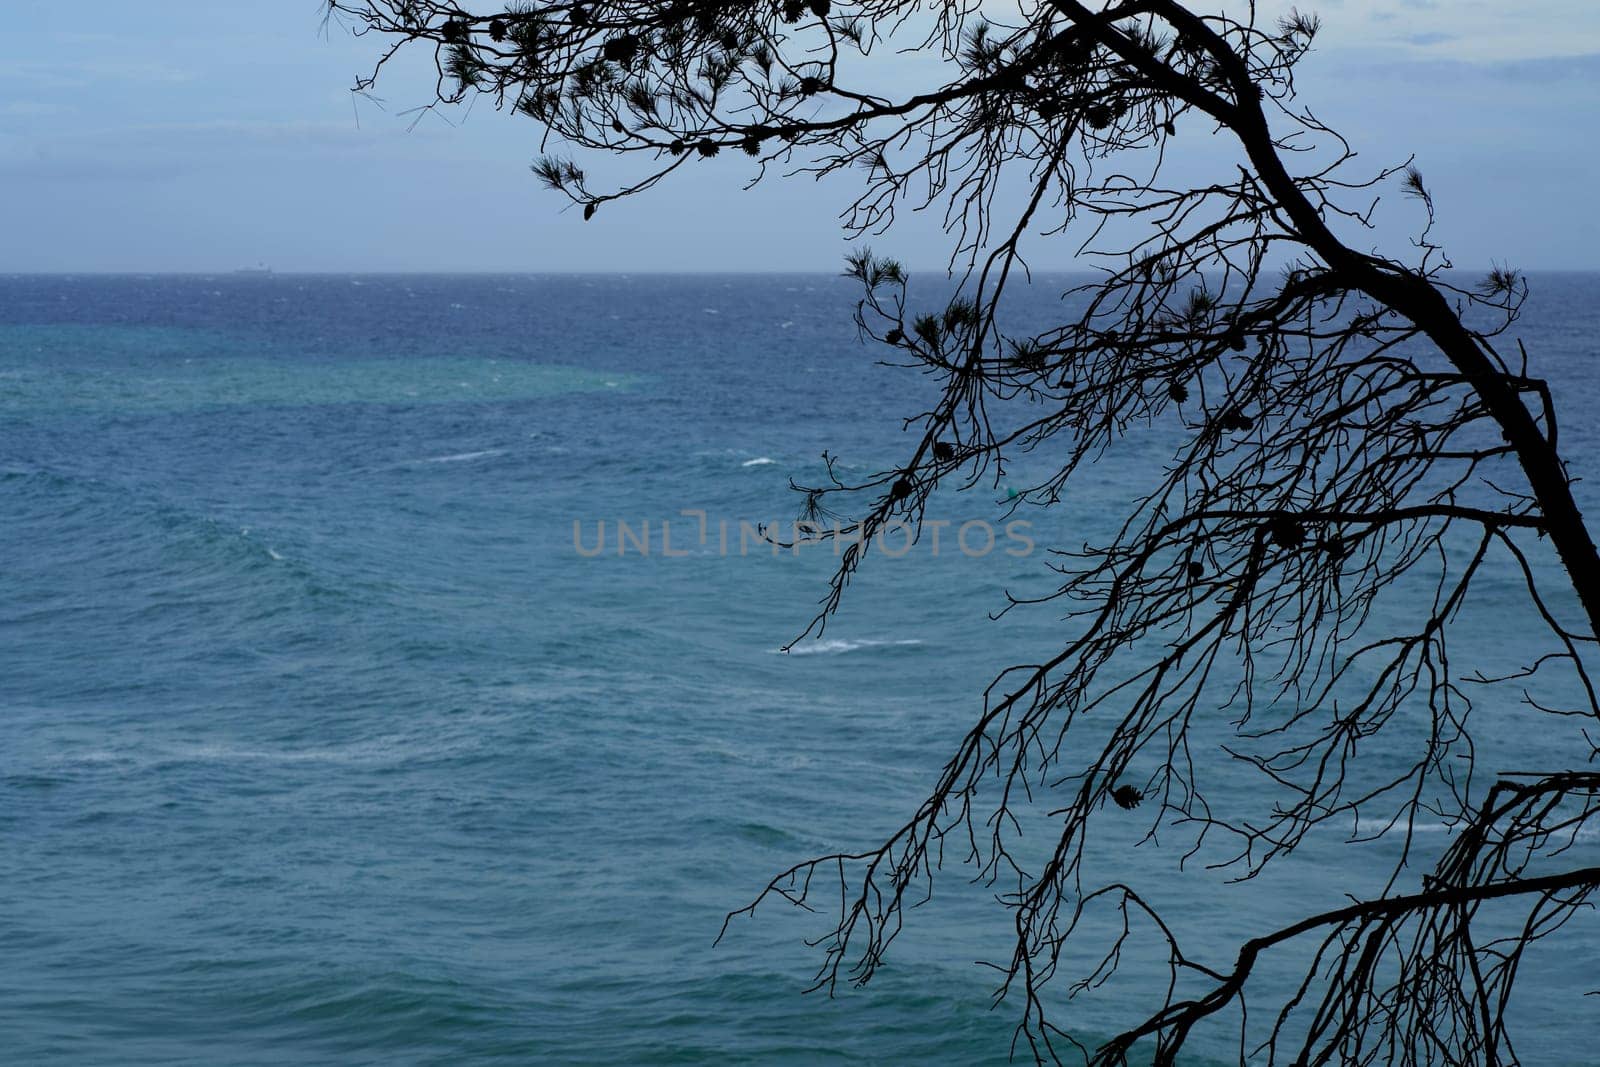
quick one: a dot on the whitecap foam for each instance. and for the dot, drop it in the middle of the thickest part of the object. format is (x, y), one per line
(759, 461)
(1381, 828)
(461, 457)
(837, 646)
(375, 751)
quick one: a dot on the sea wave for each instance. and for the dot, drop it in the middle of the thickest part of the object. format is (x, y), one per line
(462, 457)
(374, 752)
(833, 647)
(1382, 828)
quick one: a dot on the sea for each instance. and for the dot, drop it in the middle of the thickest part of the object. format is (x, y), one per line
(390, 674)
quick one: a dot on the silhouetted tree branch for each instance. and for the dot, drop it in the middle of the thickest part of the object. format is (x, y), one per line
(1353, 435)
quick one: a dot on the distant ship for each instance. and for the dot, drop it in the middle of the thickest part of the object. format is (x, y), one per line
(259, 268)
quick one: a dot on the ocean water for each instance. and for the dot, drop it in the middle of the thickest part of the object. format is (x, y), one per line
(322, 739)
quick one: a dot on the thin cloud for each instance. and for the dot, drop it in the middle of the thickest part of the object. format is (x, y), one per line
(158, 150)
(1474, 30)
(90, 73)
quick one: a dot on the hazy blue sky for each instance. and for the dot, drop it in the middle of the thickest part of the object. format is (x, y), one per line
(181, 135)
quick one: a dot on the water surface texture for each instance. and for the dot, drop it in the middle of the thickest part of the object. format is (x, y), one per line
(320, 741)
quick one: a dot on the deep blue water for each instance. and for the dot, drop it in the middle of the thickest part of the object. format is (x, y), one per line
(320, 741)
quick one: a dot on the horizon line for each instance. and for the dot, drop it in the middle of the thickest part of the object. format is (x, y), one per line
(576, 272)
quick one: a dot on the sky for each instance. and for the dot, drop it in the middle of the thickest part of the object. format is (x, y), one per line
(181, 135)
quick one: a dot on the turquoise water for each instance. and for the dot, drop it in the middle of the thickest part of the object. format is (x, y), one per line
(322, 741)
